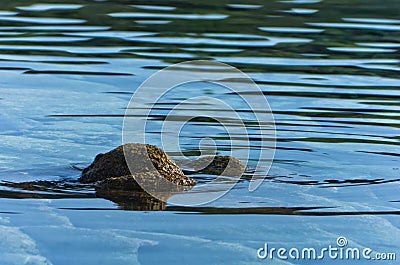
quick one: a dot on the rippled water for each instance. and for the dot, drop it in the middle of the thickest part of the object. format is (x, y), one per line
(329, 69)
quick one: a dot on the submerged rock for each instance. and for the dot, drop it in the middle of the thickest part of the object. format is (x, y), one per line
(145, 165)
(116, 180)
(215, 165)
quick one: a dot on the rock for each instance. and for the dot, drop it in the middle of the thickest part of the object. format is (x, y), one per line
(215, 165)
(130, 183)
(116, 180)
(146, 163)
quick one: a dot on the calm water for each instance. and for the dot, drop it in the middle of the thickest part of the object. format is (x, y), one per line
(329, 69)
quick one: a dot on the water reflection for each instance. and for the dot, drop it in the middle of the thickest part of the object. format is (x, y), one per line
(42, 20)
(133, 201)
(141, 201)
(46, 7)
(329, 73)
(126, 200)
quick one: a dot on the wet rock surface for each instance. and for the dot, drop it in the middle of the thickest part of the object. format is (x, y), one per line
(214, 165)
(148, 166)
(145, 163)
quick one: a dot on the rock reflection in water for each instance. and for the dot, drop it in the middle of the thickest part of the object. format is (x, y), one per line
(133, 200)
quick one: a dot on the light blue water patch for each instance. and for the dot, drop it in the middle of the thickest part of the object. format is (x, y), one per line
(55, 138)
(153, 22)
(271, 41)
(112, 34)
(309, 62)
(356, 26)
(18, 248)
(7, 13)
(380, 44)
(382, 67)
(290, 30)
(44, 39)
(77, 49)
(134, 237)
(56, 28)
(43, 20)
(358, 49)
(244, 6)
(301, 11)
(166, 55)
(314, 54)
(168, 16)
(89, 66)
(233, 36)
(155, 7)
(10, 34)
(373, 20)
(222, 50)
(300, 2)
(46, 7)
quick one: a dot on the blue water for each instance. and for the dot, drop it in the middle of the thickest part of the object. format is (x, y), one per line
(329, 70)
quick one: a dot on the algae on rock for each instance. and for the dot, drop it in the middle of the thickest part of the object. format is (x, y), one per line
(143, 161)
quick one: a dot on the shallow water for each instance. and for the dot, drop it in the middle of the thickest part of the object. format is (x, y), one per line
(330, 72)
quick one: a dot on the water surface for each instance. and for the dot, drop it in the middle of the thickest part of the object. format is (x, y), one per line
(329, 69)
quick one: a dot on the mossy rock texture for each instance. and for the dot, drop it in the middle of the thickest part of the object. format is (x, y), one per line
(215, 165)
(122, 167)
